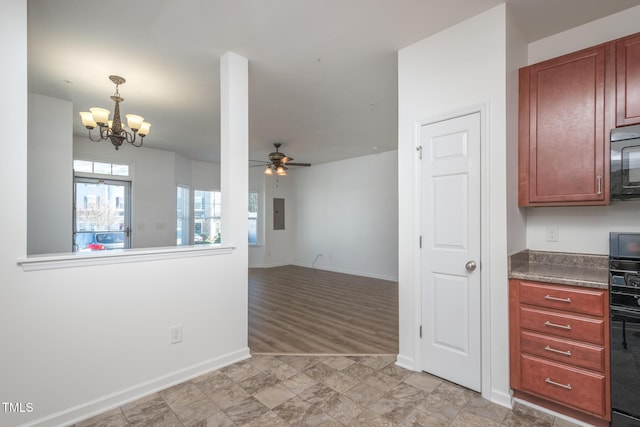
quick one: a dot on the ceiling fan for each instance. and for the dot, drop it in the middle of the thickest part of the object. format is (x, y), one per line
(278, 162)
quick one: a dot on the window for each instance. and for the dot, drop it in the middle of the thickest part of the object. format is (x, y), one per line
(206, 216)
(253, 217)
(182, 227)
(87, 166)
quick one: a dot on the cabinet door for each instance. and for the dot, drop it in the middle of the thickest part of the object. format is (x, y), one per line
(562, 130)
(628, 81)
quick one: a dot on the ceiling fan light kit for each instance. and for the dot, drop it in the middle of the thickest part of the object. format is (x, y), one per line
(277, 162)
(114, 130)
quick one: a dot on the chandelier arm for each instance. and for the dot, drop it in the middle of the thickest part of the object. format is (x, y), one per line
(96, 140)
(134, 141)
(104, 132)
(129, 136)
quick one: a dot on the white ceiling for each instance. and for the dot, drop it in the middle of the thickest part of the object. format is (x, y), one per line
(322, 73)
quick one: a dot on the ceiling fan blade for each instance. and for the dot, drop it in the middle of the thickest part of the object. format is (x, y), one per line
(260, 161)
(298, 164)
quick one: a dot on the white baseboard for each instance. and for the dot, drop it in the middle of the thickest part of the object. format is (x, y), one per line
(406, 362)
(550, 412)
(347, 271)
(501, 398)
(277, 264)
(114, 400)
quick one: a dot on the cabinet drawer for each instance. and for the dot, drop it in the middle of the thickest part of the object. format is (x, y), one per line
(563, 325)
(571, 386)
(562, 350)
(577, 300)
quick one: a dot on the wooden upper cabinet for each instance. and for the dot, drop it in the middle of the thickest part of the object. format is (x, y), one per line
(628, 81)
(563, 129)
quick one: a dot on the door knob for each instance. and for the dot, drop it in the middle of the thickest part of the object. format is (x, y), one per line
(470, 265)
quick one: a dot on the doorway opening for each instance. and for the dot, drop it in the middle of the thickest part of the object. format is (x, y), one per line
(101, 214)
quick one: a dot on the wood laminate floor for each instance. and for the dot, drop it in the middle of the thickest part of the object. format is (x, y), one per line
(297, 310)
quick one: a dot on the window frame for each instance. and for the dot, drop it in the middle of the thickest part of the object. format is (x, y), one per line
(186, 219)
(217, 195)
(259, 215)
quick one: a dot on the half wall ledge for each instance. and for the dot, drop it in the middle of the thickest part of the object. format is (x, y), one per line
(118, 256)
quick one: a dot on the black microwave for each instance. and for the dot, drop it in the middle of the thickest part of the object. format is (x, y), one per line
(625, 163)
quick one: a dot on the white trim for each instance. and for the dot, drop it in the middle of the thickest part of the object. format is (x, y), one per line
(348, 271)
(406, 363)
(118, 256)
(485, 254)
(499, 397)
(485, 247)
(550, 412)
(114, 400)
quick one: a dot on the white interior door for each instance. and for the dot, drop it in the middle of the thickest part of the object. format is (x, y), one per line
(450, 256)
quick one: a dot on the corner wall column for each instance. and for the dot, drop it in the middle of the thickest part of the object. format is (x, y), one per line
(234, 161)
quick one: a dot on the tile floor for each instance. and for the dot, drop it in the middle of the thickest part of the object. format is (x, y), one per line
(365, 391)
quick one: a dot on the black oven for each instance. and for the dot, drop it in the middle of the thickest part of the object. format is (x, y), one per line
(624, 291)
(625, 163)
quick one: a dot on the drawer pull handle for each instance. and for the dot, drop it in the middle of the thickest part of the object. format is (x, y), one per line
(550, 298)
(566, 353)
(555, 325)
(550, 381)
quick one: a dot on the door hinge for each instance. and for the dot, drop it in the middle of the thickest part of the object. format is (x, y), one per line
(419, 150)
(420, 242)
(420, 331)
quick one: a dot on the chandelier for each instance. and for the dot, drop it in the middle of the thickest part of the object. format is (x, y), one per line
(114, 130)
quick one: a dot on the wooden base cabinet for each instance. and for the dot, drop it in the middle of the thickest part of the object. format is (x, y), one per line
(560, 348)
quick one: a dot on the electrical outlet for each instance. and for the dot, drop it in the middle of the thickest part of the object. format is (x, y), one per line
(552, 234)
(175, 334)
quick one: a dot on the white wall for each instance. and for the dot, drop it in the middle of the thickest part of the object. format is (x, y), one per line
(279, 244)
(205, 175)
(599, 31)
(516, 58)
(50, 175)
(182, 170)
(347, 216)
(257, 183)
(582, 229)
(100, 333)
(460, 67)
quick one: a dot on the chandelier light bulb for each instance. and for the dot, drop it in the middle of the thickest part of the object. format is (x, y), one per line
(134, 121)
(144, 129)
(268, 171)
(87, 120)
(100, 115)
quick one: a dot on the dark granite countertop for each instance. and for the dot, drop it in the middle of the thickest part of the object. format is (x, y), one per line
(561, 268)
